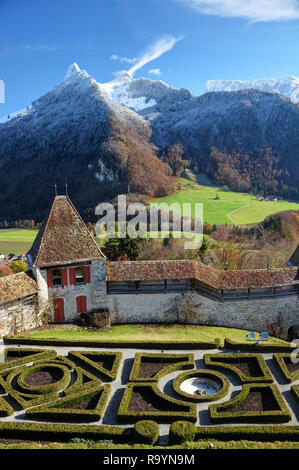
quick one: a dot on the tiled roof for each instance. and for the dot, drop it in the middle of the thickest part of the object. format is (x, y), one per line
(5, 270)
(63, 238)
(16, 287)
(158, 270)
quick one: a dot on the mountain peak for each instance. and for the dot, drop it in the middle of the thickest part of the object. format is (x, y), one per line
(72, 70)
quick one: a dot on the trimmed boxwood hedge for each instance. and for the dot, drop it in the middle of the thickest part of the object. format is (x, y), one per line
(180, 432)
(225, 385)
(58, 410)
(280, 415)
(64, 432)
(81, 357)
(295, 389)
(146, 432)
(180, 361)
(281, 362)
(140, 344)
(26, 355)
(266, 346)
(254, 433)
(5, 408)
(226, 362)
(177, 409)
(44, 389)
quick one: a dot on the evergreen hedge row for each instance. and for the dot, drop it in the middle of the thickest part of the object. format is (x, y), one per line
(266, 346)
(33, 356)
(80, 357)
(63, 432)
(180, 361)
(140, 344)
(213, 375)
(226, 362)
(254, 433)
(44, 389)
(177, 409)
(280, 359)
(59, 410)
(180, 432)
(279, 415)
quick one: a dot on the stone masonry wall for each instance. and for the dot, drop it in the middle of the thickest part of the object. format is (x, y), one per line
(192, 308)
(17, 316)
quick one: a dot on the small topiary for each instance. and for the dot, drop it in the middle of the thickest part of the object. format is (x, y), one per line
(146, 432)
(181, 431)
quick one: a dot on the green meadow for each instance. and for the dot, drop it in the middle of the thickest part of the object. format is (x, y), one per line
(225, 207)
(16, 241)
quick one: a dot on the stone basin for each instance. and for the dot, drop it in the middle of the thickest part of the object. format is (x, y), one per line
(195, 384)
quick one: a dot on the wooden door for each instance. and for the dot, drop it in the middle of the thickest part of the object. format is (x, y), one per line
(58, 310)
(81, 304)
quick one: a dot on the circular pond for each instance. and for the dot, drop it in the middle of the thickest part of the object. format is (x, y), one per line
(200, 386)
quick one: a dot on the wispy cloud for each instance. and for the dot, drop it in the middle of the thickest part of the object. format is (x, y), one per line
(156, 72)
(154, 51)
(127, 60)
(252, 10)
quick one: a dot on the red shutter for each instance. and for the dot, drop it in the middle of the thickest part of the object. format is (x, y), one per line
(87, 274)
(64, 277)
(49, 277)
(72, 276)
(81, 304)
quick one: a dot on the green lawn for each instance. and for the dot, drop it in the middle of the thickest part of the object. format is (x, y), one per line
(230, 208)
(147, 333)
(16, 241)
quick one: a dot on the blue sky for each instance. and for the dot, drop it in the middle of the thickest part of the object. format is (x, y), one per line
(189, 42)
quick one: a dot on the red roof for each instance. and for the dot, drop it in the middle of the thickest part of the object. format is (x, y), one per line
(16, 287)
(63, 238)
(191, 269)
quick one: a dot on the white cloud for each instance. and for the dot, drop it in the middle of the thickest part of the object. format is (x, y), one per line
(253, 10)
(154, 51)
(124, 59)
(155, 72)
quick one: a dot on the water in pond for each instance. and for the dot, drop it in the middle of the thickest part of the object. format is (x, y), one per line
(191, 386)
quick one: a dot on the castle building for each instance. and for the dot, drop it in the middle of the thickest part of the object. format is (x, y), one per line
(74, 277)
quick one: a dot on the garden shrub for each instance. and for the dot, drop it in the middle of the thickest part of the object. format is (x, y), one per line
(181, 432)
(279, 414)
(228, 361)
(88, 358)
(264, 347)
(180, 361)
(146, 432)
(282, 360)
(177, 409)
(255, 433)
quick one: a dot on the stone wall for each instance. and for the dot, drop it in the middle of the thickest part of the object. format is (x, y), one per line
(192, 308)
(18, 316)
(95, 291)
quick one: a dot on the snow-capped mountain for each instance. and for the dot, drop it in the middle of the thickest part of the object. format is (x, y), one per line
(287, 86)
(104, 136)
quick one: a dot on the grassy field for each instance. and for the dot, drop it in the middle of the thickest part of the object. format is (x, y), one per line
(16, 241)
(145, 332)
(230, 208)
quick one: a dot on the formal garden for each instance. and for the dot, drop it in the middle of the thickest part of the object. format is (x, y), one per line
(176, 394)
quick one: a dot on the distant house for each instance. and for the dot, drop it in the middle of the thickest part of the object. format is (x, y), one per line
(18, 302)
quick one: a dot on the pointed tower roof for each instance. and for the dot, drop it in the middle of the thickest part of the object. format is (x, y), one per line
(63, 238)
